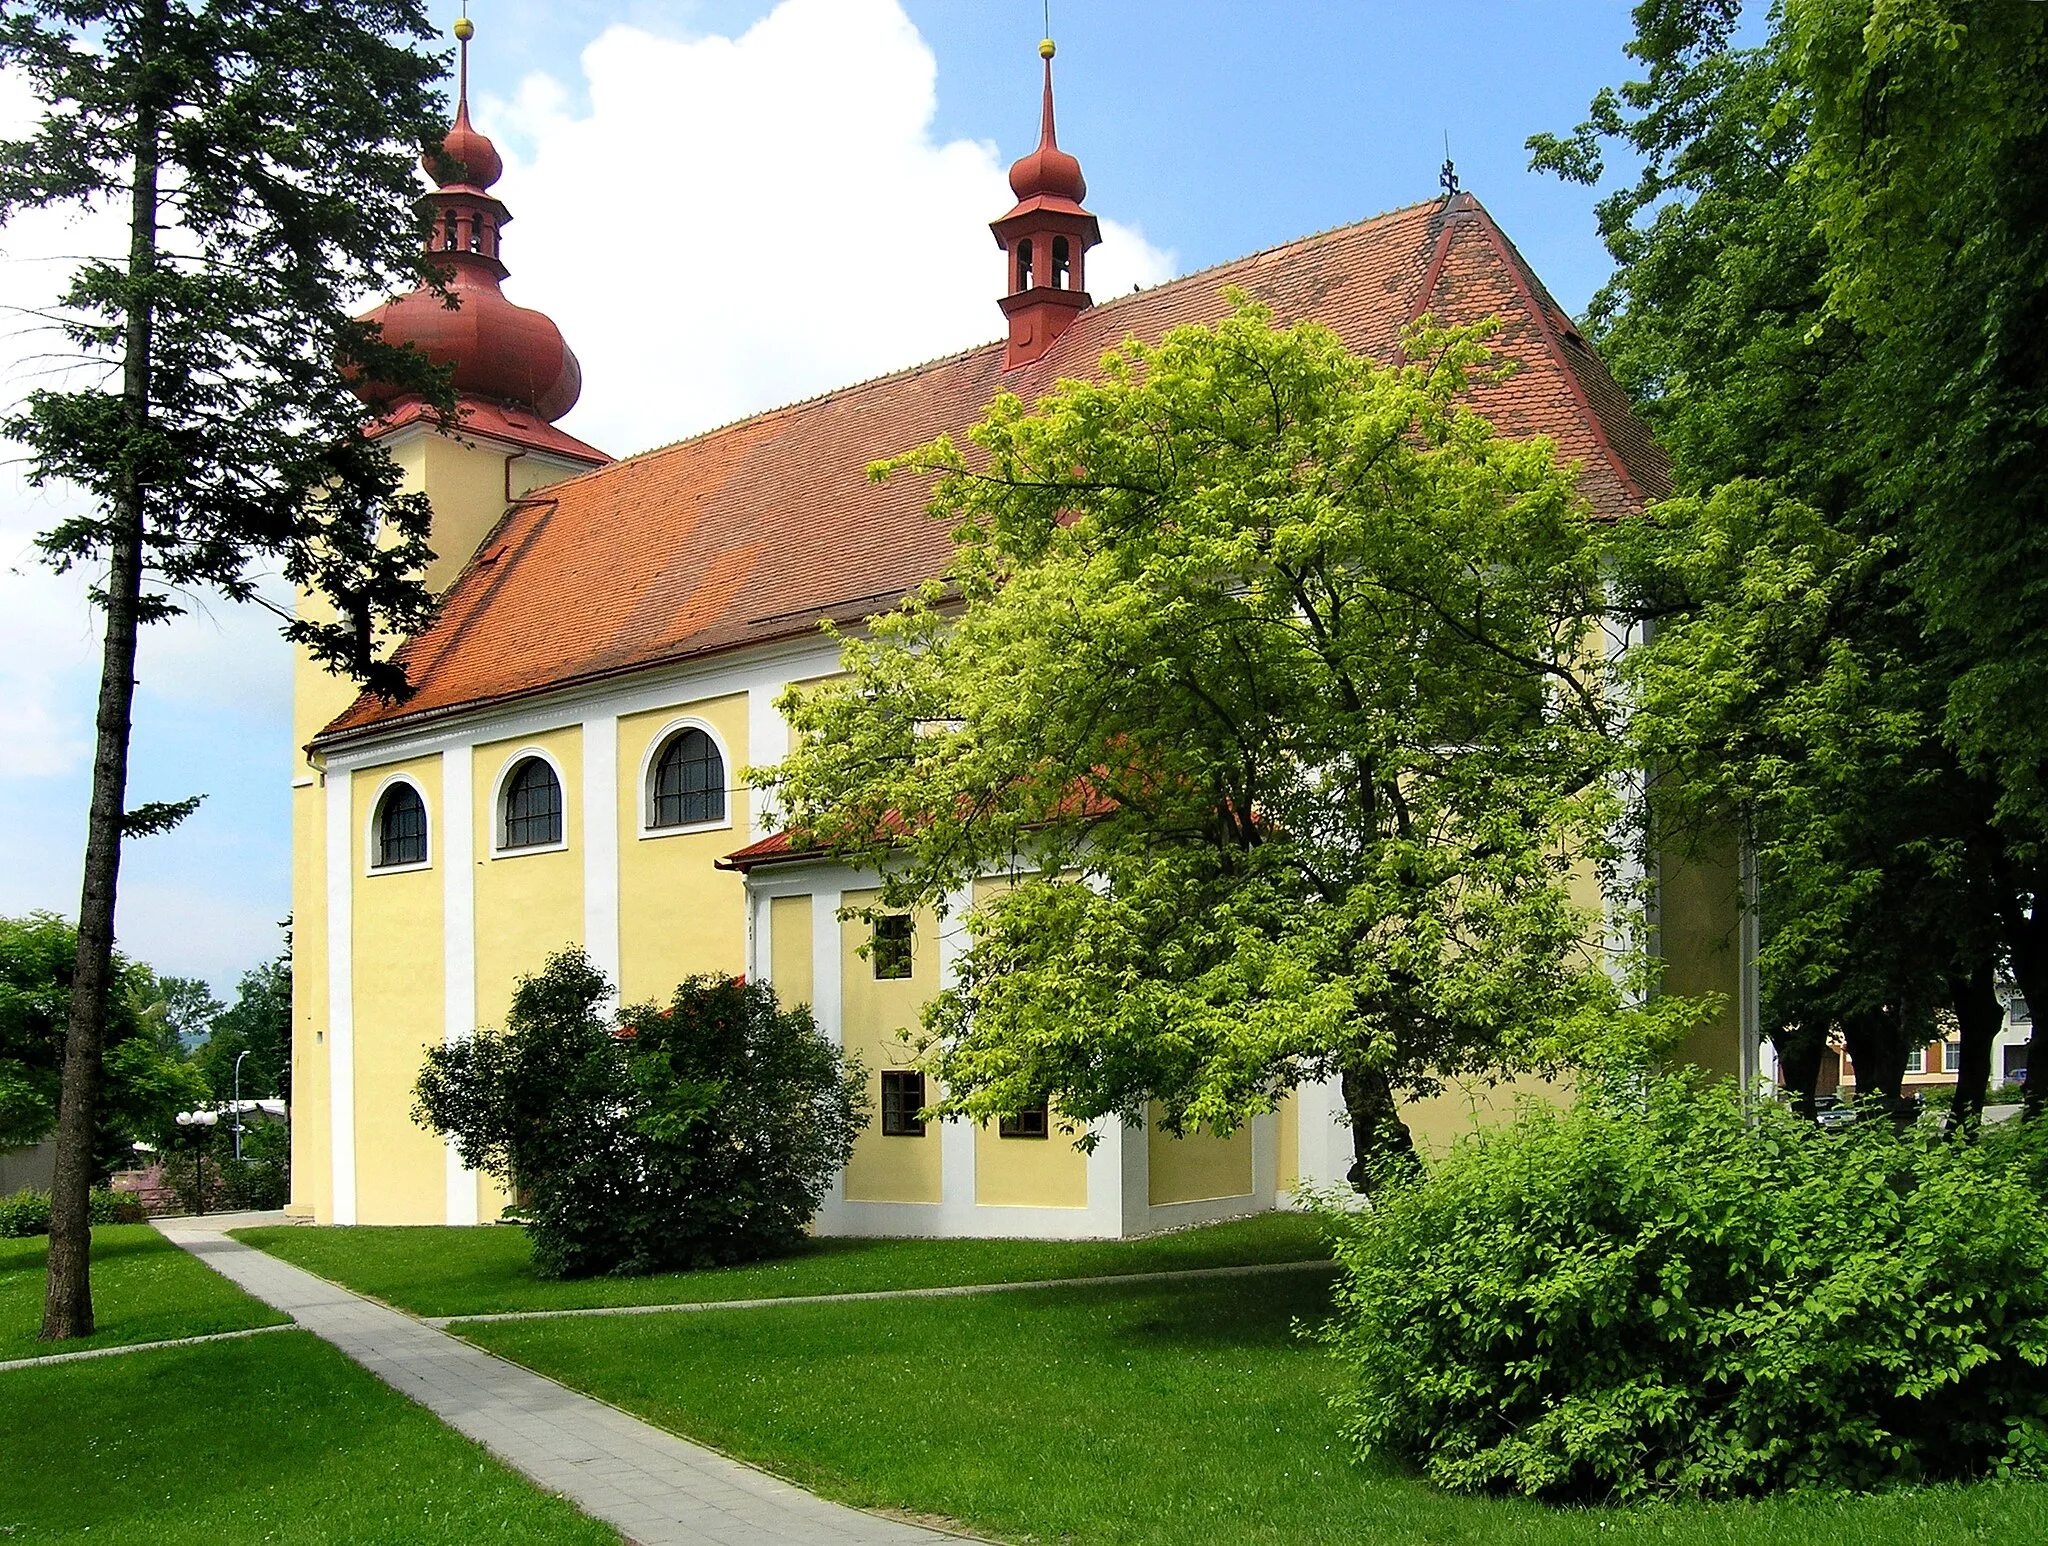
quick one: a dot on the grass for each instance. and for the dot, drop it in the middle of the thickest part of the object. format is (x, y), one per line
(1124, 1415)
(478, 1271)
(144, 1289)
(278, 1438)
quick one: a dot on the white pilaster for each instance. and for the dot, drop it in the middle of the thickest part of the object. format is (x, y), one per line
(767, 744)
(458, 944)
(601, 843)
(827, 1010)
(957, 1181)
(341, 1033)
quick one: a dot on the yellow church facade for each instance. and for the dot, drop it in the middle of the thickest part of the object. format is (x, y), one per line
(611, 642)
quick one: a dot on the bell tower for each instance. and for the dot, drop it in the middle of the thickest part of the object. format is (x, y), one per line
(1045, 240)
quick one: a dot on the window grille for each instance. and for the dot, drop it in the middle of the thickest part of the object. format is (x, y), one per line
(891, 950)
(689, 782)
(902, 1099)
(533, 806)
(1916, 1061)
(401, 828)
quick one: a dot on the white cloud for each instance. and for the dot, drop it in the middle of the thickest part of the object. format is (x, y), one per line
(740, 222)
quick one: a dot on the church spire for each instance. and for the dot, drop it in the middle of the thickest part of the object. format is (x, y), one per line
(1046, 238)
(502, 353)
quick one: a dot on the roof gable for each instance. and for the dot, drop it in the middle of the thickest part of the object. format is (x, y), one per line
(757, 531)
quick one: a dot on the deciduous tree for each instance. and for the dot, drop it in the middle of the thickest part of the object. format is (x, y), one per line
(1270, 675)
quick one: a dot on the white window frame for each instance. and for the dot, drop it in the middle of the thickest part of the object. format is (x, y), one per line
(371, 843)
(503, 786)
(1916, 1060)
(650, 759)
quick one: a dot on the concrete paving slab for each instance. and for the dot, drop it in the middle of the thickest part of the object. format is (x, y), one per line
(655, 1488)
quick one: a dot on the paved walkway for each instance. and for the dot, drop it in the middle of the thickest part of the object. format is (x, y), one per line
(657, 1489)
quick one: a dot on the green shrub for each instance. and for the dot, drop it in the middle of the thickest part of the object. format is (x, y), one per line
(703, 1133)
(1656, 1293)
(27, 1212)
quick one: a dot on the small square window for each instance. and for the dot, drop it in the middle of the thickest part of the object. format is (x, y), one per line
(891, 953)
(902, 1100)
(1029, 1123)
(1916, 1061)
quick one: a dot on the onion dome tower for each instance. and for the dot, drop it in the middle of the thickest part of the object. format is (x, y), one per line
(504, 355)
(1046, 239)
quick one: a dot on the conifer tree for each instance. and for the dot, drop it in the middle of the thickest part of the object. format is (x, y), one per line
(261, 151)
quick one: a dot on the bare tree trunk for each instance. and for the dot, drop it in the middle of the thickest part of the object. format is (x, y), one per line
(1801, 1051)
(1378, 1135)
(1978, 1016)
(67, 1302)
(1876, 1040)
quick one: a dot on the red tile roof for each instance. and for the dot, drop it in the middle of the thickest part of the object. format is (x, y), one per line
(756, 531)
(499, 421)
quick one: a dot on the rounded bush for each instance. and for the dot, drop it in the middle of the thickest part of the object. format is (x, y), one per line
(695, 1134)
(1658, 1293)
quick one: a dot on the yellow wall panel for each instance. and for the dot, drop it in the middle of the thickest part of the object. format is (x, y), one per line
(679, 914)
(872, 1011)
(1438, 1121)
(528, 904)
(1029, 1172)
(1287, 1125)
(789, 951)
(1199, 1167)
(1698, 929)
(398, 994)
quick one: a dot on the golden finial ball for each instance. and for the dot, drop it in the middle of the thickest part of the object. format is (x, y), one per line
(465, 29)
(1046, 49)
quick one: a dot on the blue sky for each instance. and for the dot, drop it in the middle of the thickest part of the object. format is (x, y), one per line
(1206, 130)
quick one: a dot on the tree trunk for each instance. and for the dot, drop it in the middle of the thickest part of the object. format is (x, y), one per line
(1876, 1040)
(1379, 1138)
(1801, 1051)
(1978, 1017)
(67, 1302)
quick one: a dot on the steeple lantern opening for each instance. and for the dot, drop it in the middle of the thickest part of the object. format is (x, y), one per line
(1046, 239)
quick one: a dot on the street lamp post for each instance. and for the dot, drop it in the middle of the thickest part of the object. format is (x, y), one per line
(194, 1119)
(238, 1101)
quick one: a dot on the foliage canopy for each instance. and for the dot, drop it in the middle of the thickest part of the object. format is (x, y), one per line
(1270, 677)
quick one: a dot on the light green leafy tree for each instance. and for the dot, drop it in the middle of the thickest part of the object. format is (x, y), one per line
(1271, 675)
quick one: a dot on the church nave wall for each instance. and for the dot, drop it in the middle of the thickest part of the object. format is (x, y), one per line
(678, 913)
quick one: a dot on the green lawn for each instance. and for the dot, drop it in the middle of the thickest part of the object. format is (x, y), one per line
(144, 1289)
(1115, 1415)
(478, 1271)
(278, 1438)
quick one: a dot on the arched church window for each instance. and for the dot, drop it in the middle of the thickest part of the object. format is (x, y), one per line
(1024, 264)
(533, 806)
(401, 828)
(689, 782)
(1061, 260)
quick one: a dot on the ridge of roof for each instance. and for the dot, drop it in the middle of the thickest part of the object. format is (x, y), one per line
(727, 538)
(935, 362)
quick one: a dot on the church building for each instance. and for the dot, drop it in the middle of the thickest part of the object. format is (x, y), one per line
(604, 665)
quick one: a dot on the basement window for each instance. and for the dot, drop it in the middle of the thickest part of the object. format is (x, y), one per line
(1031, 1122)
(902, 1099)
(891, 949)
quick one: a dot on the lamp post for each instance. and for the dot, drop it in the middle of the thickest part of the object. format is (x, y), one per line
(238, 1101)
(195, 1119)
